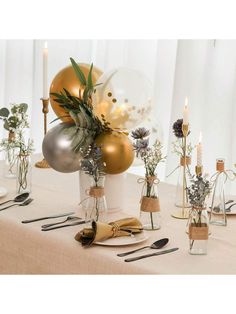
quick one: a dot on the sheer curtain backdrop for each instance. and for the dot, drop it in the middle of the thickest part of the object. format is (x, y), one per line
(203, 70)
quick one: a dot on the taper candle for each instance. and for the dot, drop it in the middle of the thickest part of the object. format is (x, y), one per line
(45, 71)
(186, 112)
(199, 151)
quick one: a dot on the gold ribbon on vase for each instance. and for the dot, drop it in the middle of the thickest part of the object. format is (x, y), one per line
(100, 231)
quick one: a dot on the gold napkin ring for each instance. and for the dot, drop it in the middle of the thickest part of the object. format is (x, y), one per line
(115, 229)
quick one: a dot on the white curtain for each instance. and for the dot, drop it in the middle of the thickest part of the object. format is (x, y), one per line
(203, 70)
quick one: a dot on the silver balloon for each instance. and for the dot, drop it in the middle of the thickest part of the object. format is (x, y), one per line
(59, 146)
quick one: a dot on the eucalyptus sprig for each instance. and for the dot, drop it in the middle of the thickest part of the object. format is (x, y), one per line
(92, 163)
(80, 108)
(16, 118)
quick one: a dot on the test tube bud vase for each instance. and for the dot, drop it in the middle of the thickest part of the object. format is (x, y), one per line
(218, 208)
(198, 231)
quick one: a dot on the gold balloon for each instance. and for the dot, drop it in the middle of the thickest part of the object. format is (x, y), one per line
(67, 79)
(117, 150)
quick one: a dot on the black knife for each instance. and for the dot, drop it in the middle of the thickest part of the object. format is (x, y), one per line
(47, 217)
(63, 226)
(132, 259)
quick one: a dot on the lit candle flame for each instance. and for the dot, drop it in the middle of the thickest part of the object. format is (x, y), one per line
(45, 45)
(186, 102)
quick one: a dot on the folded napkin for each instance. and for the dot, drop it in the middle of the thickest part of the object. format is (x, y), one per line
(101, 231)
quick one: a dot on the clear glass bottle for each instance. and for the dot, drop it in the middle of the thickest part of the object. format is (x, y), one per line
(183, 178)
(11, 153)
(150, 207)
(10, 162)
(24, 173)
(95, 206)
(198, 231)
(218, 210)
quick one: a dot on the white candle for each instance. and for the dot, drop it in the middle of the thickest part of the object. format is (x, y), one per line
(186, 113)
(199, 151)
(45, 71)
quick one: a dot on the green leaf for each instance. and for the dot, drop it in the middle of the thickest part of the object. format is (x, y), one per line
(4, 112)
(90, 81)
(6, 125)
(23, 107)
(78, 72)
(67, 116)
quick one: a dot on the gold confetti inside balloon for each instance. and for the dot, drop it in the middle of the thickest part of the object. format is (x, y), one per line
(117, 151)
(124, 98)
(67, 79)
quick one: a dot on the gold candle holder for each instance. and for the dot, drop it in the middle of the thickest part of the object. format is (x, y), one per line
(43, 163)
(184, 212)
(198, 171)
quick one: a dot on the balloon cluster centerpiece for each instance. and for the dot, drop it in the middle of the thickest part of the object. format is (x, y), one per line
(64, 144)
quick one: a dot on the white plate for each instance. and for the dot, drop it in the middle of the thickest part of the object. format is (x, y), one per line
(3, 191)
(122, 241)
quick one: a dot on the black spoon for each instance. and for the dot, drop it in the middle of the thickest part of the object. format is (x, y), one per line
(156, 245)
(25, 203)
(18, 199)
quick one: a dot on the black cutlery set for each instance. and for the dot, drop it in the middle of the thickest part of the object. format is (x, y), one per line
(70, 220)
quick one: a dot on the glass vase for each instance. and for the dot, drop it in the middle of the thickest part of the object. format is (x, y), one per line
(218, 209)
(24, 174)
(95, 206)
(183, 180)
(198, 231)
(150, 207)
(10, 167)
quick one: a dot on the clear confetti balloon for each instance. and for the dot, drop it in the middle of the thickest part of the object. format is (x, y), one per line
(123, 98)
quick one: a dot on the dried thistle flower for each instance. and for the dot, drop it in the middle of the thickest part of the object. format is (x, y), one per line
(140, 133)
(177, 128)
(141, 147)
(151, 156)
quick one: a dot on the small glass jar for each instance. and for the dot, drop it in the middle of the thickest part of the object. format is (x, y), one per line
(95, 206)
(183, 180)
(24, 173)
(150, 207)
(198, 231)
(218, 208)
